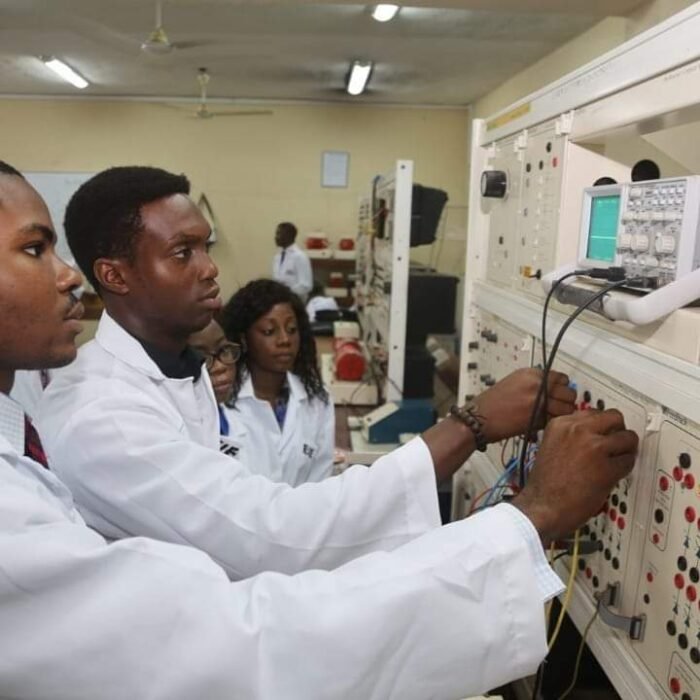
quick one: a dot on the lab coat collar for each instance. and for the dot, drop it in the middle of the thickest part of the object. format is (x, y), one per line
(116, 341)
(296, 388)
(12, 423)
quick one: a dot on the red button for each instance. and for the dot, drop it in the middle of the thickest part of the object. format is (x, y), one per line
(589, 573)
(679, 582)
(650, 577)
(612, 514)
(677, 473)
(655, 538)
(621, 523)
(689, 481)
(690, 514)
(691, 594)
(664, 483)
(555, 162)
(675, 686)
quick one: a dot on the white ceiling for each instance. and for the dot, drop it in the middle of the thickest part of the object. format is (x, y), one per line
(448, 52)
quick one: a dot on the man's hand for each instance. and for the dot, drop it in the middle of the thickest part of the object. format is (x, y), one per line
(580, 460)
(507, 406)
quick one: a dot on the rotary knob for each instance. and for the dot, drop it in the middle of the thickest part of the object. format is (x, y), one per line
(641, 242)
(625, 241)
(665, 245)
(494, 183)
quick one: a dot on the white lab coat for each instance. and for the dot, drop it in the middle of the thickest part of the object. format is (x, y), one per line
(28, 389)
(295, 271)
(452, 613)
(300, 452)
(317, 304)
(140, 452)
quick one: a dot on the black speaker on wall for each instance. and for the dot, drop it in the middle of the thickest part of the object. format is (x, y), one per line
(427, 204)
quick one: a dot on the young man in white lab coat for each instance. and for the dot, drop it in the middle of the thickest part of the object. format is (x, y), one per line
(291, 265)
(137, 618)
(132, 425)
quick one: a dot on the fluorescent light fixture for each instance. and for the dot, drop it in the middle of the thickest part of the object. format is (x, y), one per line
(385, 12)
(359, 75)
(64, 71)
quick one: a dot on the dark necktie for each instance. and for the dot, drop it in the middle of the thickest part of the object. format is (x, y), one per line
(284, 252)
(32, 444)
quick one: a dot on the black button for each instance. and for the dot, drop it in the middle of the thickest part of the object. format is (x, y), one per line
(646, 598)
(528, 167)
(600, 404)
(541, 165)
(694, 574)
(682, 563)
(615, 563)
(695, 655)
(659, 515)
(596, 582)
(548, 147)
(686, 696)
(587, 396)
(607, 554)
(581, 564)
(682, 641)
(623, 508)
(615, 500)
(671, 627)
(684, 460)
(594, 537)
(585, 529)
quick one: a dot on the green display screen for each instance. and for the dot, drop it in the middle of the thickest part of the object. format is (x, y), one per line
(602, 230)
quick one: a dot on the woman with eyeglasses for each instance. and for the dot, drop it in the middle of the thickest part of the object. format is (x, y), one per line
(220, 357)
(279, 410)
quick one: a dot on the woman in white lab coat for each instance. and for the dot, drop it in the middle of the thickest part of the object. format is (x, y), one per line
(280, 412)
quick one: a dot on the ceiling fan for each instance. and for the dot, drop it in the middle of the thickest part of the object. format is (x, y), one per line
(157, 41)
(203, 111)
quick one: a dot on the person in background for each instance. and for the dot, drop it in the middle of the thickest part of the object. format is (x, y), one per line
(144, 619)
(291, 265)
(318, 302)
(220, 357)
(280, 411)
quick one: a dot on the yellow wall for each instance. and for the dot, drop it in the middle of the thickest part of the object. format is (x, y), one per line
(256, 171)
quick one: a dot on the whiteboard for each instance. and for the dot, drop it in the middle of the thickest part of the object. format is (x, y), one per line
(56, 189)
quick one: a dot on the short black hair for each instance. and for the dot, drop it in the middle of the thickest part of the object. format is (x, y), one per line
(288, 227)
(103, 218)
(251, 302)
(7, 169)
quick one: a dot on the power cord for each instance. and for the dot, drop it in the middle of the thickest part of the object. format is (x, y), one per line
(540, 401)
(579, 655)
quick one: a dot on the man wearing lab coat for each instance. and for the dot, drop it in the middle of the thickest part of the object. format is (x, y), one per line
(291, 265)
(453, 612)
(132, 426)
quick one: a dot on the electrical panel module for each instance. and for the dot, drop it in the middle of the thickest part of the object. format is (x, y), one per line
(552, 189)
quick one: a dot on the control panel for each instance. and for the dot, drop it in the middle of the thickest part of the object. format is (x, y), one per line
(500, 197)
(668, 591)
(609, 534)
(497, 350)
(540, 201)
(650, 229)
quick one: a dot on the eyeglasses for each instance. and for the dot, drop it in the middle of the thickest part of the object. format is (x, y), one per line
(227, 354)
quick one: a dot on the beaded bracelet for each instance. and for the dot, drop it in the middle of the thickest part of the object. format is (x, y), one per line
(467, 414)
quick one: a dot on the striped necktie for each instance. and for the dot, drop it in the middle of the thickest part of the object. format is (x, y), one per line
(32, 444)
